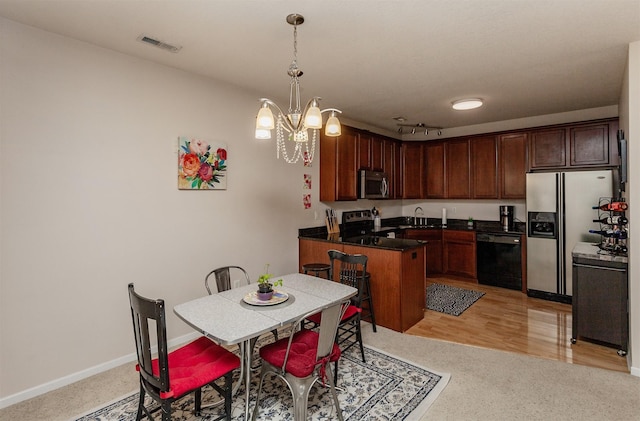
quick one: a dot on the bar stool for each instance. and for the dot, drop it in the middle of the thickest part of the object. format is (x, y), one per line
(367, 311)
(316, 269)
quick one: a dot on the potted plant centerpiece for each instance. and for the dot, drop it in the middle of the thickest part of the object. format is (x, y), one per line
(265, 285)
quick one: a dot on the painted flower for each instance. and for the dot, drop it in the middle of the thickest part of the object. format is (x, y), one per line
(205, 172)
(198, 147)
(199, 168)
(190, 164)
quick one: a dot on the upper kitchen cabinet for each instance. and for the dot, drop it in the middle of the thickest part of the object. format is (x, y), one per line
(338, 171)
(370, 151)
(435, 170)
(412, 170)
(512, 153)
(391, 166)
(582, 145)
(458, 169)
(484, 164)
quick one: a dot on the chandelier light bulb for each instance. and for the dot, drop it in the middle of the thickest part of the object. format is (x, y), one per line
(333, 127)
(313, 118)
(265, 118)
(263, 134)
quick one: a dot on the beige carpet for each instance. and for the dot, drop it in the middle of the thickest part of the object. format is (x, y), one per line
(485, 385)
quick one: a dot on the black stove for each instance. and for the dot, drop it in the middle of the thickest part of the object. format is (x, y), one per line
(357, 223)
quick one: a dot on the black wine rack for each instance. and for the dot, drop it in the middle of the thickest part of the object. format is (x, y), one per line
(614, 235)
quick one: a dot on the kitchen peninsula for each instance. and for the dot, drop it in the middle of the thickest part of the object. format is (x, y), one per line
(397, 268)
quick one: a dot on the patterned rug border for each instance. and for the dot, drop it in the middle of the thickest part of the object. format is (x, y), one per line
(416, 414)
(468, 298)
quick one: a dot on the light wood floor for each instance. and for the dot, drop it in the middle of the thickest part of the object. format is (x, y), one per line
(510, 321)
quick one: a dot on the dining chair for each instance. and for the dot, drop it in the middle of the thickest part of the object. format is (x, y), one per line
(224, 278)
(303, 359)
(175, 374)
(352, 271)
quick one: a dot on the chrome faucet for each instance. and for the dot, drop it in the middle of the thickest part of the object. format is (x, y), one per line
(415, 215)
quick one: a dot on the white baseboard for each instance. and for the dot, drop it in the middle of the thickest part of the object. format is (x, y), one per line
(83, 374)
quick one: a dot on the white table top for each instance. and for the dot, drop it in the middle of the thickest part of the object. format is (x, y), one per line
(225, 318)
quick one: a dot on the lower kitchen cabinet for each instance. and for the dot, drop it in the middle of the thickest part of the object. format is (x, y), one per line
(398, 286)
(600, 297)
(434, 247)
(459, 253)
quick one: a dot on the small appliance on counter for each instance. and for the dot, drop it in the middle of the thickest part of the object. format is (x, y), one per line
(506, 218)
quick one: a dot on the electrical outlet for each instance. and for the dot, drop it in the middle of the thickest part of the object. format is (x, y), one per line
(235, 283)
(454, 210)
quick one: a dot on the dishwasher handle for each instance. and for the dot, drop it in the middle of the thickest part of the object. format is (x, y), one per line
(496, 238)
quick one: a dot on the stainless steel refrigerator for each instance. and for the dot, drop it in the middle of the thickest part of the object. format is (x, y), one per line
(559, 214)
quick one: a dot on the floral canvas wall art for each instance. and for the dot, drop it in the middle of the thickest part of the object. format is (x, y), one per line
(201, 166)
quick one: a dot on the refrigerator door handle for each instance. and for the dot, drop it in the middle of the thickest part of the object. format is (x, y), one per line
(561, 235)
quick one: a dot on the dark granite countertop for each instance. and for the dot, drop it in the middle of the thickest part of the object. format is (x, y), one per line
(378, 237)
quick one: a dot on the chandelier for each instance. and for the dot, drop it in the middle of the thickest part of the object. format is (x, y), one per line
(293, 127)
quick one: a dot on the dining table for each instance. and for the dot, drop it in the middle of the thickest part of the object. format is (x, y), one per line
(235, 316)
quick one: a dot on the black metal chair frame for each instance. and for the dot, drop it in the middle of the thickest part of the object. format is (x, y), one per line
(142, 311)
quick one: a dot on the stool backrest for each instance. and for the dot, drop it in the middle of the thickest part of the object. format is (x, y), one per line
(351, 270)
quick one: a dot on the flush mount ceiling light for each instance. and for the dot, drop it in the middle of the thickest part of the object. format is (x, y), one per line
(467, 104)
(296, 122)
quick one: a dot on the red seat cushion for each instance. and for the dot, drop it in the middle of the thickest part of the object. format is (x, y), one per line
(195, 365)
(302, 356)
(349, 313)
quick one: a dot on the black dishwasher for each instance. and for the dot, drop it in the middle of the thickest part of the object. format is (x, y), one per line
(499, 260)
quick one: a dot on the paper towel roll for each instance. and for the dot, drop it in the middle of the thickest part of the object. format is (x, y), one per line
(444, 216)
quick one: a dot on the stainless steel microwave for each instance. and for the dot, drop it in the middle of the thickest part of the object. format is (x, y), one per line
(373, 185)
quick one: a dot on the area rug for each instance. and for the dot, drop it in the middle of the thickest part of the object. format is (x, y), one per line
(385, 388)
(450, 300)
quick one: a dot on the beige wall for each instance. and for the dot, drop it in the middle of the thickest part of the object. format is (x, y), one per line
(630, 123)
(89, 202)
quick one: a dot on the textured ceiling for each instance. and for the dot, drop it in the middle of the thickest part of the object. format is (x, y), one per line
(376, 60)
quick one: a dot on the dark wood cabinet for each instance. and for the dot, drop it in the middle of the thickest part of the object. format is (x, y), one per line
(434, 247)
(412, 170)
(484, 164)
(589, 145)
(512, 153)
(435, 176)
(338, 162)
(458, 169)
(459, 253)
(547, 149)
(580, 145)
(364, 151)
(370, 151)
(391, 166)
(377, 153)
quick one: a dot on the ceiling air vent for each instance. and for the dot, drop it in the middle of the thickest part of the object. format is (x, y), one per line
(160, 44)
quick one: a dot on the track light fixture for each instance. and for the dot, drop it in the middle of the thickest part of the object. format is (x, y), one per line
(413, 128)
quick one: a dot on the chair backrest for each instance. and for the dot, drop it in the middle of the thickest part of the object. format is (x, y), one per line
(330, 319)
(144, 310)
(352, 269)
(224, 276)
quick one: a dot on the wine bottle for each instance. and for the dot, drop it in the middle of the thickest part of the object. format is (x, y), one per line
(613, 220)
(613, 206)
(611, 233)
